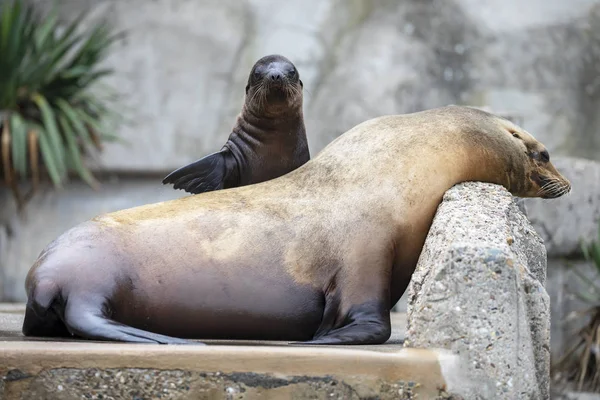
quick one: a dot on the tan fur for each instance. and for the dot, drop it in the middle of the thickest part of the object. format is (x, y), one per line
(382, 179)
(352, 220)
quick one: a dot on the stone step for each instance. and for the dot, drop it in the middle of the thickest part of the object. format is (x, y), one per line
(75, 369)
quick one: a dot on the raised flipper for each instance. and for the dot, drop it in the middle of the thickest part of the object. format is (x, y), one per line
(214, 172)
(83, 321)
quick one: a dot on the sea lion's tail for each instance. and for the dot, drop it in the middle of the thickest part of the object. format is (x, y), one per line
(40, 318)
(205, 175)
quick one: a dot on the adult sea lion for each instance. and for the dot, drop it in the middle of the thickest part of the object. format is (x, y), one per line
(318, 255)
(268, 139)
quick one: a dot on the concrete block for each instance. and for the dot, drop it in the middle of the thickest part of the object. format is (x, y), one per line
(478, 290)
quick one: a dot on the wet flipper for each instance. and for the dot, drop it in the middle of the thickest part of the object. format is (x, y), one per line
(83, 322)
(213, 172)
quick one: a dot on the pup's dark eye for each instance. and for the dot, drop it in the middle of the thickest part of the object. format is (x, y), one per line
(516, 135)
(292, 72)
(545, 156)
(257, 74)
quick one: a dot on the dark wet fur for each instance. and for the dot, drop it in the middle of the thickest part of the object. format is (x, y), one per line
(267, 141)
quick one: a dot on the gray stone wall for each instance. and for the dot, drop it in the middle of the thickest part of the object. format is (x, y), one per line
(183, 64)
(563, 223)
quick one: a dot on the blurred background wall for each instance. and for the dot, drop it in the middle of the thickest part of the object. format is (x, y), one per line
(183, 64)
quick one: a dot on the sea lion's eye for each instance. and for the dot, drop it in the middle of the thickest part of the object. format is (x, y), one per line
(516, 135)
(257, 74)
(545, 156)
(292, 72)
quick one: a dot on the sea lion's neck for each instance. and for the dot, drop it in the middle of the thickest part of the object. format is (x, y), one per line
(263, 126)
(413, 168)
(451, 159)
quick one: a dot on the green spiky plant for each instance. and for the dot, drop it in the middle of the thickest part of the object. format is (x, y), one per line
(581, 363)
(50, 118)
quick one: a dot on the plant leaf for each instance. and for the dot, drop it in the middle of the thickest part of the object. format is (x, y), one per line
(5, 150)
(46, 29)
(588, 282)
(49, 158)
(76, 121)
(33, 146)
(19, 144)
(586, 298)
(55, 142)
(74, 152)
(43, 61)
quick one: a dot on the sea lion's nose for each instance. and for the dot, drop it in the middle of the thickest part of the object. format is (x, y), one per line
(275, 75)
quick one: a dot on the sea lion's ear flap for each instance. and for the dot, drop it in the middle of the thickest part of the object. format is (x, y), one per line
(301, 84)
(247, 87)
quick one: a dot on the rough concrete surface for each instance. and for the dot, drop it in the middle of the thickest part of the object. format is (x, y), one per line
(478, 290)
(35, 369)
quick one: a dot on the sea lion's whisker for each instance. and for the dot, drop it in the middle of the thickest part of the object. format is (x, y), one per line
(549, 186)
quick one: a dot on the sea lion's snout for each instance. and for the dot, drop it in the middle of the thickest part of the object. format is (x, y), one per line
(274, 76)
(550, 184)
(274, 86)
(546, 181)
(279, 73)
(273, 71)
(541, 177)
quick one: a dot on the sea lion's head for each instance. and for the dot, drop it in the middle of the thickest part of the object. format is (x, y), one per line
(274, 87)
(529, 171)
(542, 178)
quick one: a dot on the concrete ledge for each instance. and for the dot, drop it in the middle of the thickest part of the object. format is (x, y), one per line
(71, 369)
(478, 291)
(74, 370)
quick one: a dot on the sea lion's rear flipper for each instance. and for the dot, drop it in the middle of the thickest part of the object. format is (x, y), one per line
(214, 172)
(82, 321)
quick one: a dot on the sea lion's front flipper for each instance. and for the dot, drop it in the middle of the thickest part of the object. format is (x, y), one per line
(364, 324)
(82, 321)
(205, 175)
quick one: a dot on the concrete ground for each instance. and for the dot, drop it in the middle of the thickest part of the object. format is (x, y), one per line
(11, 319)
(32, 368)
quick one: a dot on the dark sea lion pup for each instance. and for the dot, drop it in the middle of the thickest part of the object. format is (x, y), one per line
(268, 139)
(318, 255)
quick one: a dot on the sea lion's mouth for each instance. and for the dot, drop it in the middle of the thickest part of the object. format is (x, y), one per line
(280, 90)
(277, 86)
(551, 188)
